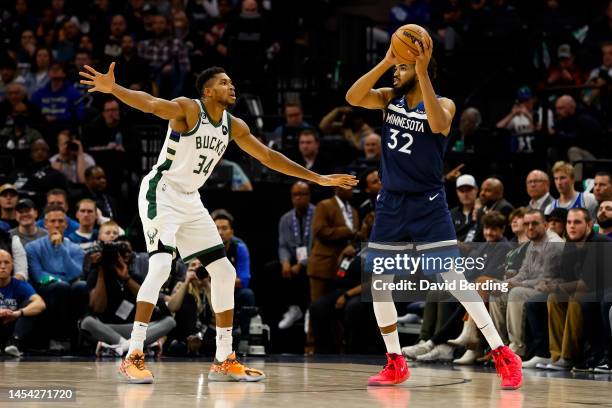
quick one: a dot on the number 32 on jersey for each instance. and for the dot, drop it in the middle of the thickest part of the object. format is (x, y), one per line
(394, 142)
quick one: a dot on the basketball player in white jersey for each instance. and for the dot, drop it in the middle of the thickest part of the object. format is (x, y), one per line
(172, 214)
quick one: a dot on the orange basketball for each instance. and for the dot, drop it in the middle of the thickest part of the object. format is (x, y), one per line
(403, 42)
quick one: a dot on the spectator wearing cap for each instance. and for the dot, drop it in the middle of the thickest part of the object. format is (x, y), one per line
(37, 177)
(565, 72)
(602, 188)
(56, 265)
(464, 215)
(27, 214)
(19, 303)
(604, 218)
(568, 197)
(87, 233)
(556, 221)
(538, 190)
(523, 120)
(8, 201)
(58, 197)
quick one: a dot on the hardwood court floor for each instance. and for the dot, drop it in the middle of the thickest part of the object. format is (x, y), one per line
(295, 382)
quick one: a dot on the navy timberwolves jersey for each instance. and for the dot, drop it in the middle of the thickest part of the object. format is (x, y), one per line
(412, 155)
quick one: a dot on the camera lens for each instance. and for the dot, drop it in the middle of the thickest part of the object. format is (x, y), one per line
(201, 272)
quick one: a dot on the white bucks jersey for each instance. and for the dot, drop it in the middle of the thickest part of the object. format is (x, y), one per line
(188, 159)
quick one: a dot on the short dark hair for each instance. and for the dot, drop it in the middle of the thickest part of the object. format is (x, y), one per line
(536, 211)
(293, 104)
(494, 219)
(518, 212)
(604, 174)
(587, 215)
(222, 214)
(58, 191)
(54, 207)
(204, 76)
(89, 171)
(309, 131)
(57, 65)
(363, 182)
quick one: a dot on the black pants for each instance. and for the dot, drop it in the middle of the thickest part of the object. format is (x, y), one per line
(453, 325)
(276, 293)
(597, 339)
(536, 320)
(186, 318)
(66, 303)
(19, 328)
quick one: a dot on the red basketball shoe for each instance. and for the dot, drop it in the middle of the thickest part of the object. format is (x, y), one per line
(395, 372)
(508, 366)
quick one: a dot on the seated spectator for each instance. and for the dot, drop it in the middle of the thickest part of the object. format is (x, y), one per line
(371, 185)
(345, 121)
(568, 197)
(71, 160)
(604, 218)
(491, 198)
(87, 233)
(515, 219)
(538, 190)
(294, 244)
(19, 135)
(556, 221)
(167, 56)
(566, 71)
(95, 181)
(286, 135)
(108, 130)
(409, 12)
(576, 135)
(240, 181)
(109, 231)
(190, 302)
(371, 153)
(59, 102)
(238, 254)
(8, 74)
(8, 201)
(310, 156)
(58, 197)
(37, 177)
(565, 319)
(16, 95)
(112, 45)
(15, 248)
(601, 77)
(602, 188)
(464, 215)
(56, 264)
(113, 285)
(27, 214)
(541, 266)
(38, 77)
(132, 71)
(19, 304)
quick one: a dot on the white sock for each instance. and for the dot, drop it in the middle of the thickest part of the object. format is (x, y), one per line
(392, 342)
(482, 318)
(224, 343)
(139, 333)
(124, 344)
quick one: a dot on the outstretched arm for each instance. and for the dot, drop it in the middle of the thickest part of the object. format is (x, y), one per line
(279, 162)
(362, 92)
(440, 112)
(168, 110)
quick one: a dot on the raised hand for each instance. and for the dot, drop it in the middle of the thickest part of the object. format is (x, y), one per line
(338, 180)
(424, 56)
(98, 81)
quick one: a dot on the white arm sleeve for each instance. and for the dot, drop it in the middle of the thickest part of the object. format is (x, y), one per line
(20, 259)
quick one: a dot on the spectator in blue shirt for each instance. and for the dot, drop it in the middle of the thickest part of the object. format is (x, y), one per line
(59, 101)
(19, 303)
(238, 255)
(86, 235)
(409, 12)
(58, 197)
(56, 264)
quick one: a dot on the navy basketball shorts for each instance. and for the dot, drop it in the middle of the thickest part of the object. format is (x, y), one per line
(419, 225)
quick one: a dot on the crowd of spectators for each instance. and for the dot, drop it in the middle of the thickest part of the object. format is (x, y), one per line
(70, 159)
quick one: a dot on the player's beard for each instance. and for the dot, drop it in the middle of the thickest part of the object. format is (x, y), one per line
(405, 87)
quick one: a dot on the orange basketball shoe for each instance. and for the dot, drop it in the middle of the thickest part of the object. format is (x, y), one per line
(396, 371)
(508, 366)
(233, 370)
(133, 369)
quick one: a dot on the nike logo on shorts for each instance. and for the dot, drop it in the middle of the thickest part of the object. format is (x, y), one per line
(433, 197)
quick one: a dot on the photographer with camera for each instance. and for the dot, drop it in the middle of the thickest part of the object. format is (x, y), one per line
(113, 283)
(71, 160)
(190, 303)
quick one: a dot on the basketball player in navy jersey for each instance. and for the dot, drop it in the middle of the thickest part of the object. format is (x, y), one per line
(412, 204)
